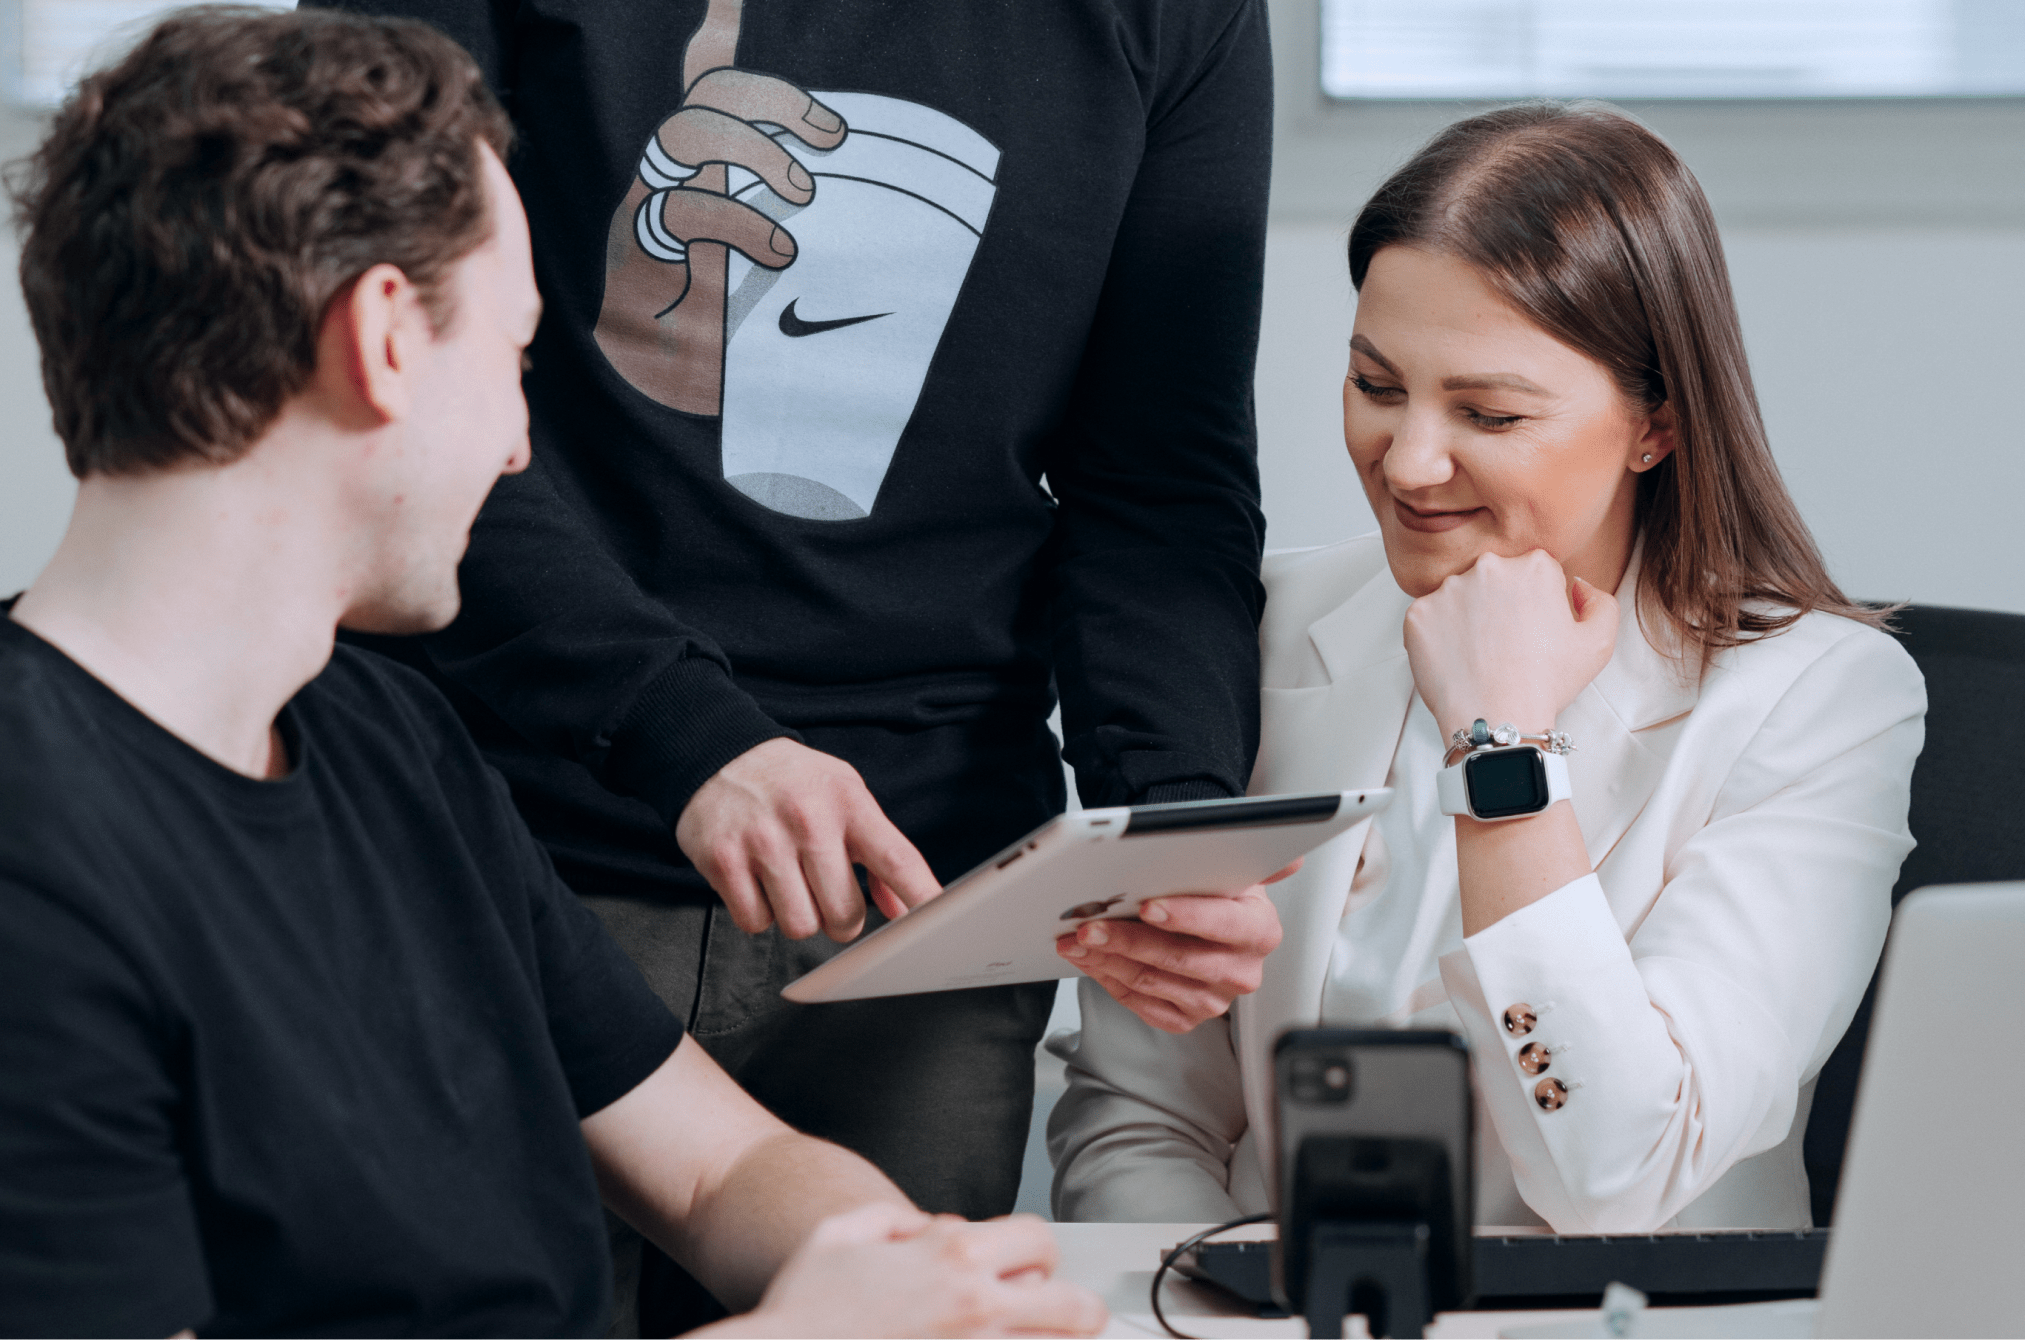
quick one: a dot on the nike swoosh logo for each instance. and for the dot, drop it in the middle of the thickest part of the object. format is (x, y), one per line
(794, 327)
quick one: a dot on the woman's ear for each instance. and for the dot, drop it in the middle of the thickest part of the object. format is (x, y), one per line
(1656, 441)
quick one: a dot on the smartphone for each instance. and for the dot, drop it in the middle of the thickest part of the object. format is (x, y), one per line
(1375, 1125)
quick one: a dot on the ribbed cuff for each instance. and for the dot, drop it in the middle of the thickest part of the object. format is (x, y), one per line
(1193, 788)
(684, 726)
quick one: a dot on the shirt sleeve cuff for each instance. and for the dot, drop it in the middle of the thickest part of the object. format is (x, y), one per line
(685, 725)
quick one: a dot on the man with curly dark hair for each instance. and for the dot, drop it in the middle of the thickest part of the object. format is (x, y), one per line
(300, 1031)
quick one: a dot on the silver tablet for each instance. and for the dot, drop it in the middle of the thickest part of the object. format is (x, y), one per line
(997, 924)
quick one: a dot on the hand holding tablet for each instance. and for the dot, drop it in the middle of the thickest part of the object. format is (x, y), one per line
(999, 924)
(1186, 958)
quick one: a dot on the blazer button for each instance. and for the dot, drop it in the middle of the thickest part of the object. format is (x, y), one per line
(1519, 1020)
(1533, 1058)
(1550, 1094)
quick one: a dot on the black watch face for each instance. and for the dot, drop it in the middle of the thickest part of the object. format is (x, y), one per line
(1506, 782)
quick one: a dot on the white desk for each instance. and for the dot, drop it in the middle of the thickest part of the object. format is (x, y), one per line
(1118, 1261)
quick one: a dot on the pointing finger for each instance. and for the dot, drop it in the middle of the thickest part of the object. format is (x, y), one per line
(884, 850)
(883, 898)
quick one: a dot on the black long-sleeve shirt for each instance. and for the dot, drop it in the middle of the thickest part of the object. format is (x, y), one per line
(1030, 271)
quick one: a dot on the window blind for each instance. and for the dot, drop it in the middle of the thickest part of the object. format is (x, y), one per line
(1631, 49)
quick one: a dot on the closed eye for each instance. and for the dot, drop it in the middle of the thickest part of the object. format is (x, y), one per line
(1373, 391)
(1391, 395)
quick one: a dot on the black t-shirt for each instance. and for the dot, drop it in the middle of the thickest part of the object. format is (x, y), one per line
(298, 1056)
(815, 495)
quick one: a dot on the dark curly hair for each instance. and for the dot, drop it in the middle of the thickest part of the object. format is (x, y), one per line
(197, 205)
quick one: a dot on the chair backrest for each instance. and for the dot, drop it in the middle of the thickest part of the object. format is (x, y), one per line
(1963, 790)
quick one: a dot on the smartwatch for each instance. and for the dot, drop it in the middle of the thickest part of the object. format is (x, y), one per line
(1512, 782)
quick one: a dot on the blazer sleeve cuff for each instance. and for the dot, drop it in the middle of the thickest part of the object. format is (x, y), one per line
(1558, 975)
(686, 724)
(1571, 929)
(1530, 985)
(1576, 1066)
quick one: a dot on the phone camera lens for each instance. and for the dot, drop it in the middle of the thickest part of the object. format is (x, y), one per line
(1319, 1079)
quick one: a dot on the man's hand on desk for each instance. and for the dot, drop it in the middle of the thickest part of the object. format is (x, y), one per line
(1188, 957)
(776, 832)
(884, 1270)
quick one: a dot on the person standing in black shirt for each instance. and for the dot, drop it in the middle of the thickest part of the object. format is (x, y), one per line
(896, 377)
(301, 1033)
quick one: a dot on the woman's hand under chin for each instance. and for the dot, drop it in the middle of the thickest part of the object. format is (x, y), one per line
(1512, 639)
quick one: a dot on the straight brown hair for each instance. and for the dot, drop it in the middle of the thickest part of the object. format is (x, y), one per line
(196, 206)
(1590, 226)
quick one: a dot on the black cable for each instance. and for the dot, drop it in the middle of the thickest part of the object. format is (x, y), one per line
(1167, 1264)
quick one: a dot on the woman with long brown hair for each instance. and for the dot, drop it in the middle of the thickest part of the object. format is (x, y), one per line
(1650, 766)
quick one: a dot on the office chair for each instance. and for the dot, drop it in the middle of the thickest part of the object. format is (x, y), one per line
(1965, 792)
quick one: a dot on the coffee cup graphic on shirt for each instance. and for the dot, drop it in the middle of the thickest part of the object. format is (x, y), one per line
(786, 262)
(825, 360)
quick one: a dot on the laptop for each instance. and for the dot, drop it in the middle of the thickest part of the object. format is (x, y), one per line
(1929, 1232)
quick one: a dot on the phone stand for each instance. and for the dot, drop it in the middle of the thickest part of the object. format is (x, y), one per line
(1378, 1269)
(1370, 1228)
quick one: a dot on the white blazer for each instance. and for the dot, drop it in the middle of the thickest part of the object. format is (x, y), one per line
(1745, 831)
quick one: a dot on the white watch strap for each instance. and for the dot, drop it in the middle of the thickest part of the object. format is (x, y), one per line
(1449, 788)
(1558, 788)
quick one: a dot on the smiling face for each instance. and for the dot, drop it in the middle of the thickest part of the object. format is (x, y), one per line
(1475, 432)
(468, 426)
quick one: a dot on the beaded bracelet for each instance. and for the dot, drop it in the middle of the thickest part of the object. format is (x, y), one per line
(1481, 735)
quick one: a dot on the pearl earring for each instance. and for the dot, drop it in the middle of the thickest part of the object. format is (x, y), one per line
(1647, 458)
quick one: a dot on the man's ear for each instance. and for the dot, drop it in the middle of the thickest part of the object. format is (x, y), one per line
(1658, 440)
(372, 333)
